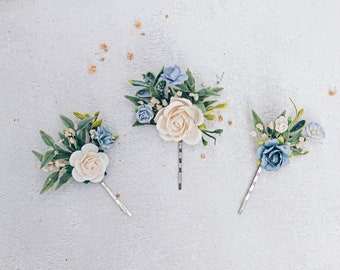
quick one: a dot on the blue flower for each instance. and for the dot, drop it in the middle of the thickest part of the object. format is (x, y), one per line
(272, 155)
(174, 75)
(315, 130)
(144, 114)
(104, 137)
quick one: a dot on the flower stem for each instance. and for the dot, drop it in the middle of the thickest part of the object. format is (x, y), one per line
(250, 189)
(180, 155)
(115, 198)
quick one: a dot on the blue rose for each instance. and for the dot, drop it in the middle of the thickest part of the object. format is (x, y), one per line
(174, 75)
(273, 155)
(144, 114)
(104, 137)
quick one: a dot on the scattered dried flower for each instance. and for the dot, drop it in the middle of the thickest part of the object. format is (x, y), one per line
(202, 156)
(104, 47)
(102, 59)
(166, 16)
(138, 24)
(130, 55)
(230, 122)
(331, 92)
(92, 69)
(143, 34)
(220, 118)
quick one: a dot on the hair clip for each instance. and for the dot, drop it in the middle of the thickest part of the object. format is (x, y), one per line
(79, 154)
(279, 141)
(171, 103)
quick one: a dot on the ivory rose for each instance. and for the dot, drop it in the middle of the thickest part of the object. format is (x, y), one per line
(88, 164)
(179, 121)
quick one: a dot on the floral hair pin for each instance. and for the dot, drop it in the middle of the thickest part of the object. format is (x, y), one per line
(180, 113)
(280, 141)
(79, 154)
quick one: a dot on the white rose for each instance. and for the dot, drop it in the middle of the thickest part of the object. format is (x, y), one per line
(179, 121)
(88, 164)
(281, 124)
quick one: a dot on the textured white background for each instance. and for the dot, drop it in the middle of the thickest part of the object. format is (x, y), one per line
(267, 50)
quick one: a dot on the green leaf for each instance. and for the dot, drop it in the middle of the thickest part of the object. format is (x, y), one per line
(143, 93)
(204, 142)
(62, 150)
(296, 119)
(67, 121)
(149, 77)
(138, 83)
(38, 155)
(158, 76)
(201, 106)
(207, 92)
(298, 126)
(209, 103)
(182, 87)
(81, 137)
(258, 120)
(85, 123)
(295, 138)
(190, 82)
(134, 100)
(48, 140)
(63, 179)
(49, 182)
(49, 155)
(64, 141)
(62, 156)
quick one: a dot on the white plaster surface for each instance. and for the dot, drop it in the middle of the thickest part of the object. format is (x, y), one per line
(267, 50)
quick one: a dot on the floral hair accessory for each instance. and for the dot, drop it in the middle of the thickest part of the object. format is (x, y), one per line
(279, 141)
(79, 154)
(180, 113)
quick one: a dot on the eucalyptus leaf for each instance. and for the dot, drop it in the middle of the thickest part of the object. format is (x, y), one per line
(67, 121)
(49, 182)
(38, 155)
(48, 156)
(48, 140)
